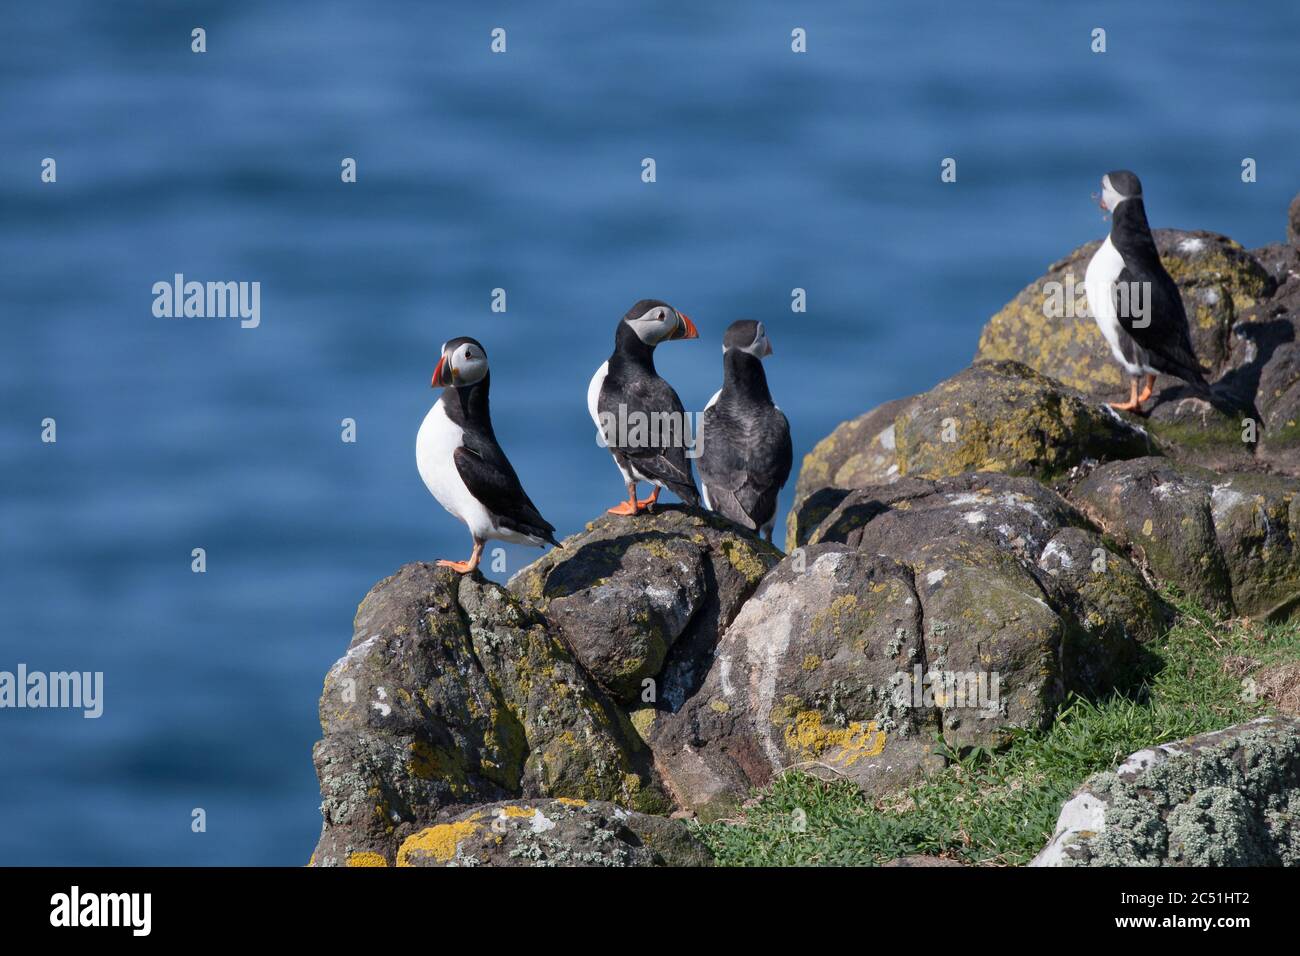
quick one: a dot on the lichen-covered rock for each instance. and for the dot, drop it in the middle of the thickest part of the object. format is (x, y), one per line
(1228, 798)
(1272, 356)
(646, 597)
(1281, 260)
(1227, 541)
(1005, 417)
(553, 833)
(1218, 279)
(958, 607)
(903, 518)
(454, 692)
(1111, 610)
(996, 554)
(814, 672)
(805, 515)
(1009, 575)
(858, 452)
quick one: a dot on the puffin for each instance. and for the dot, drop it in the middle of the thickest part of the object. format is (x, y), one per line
(747, 455)
(626, 391)
(462, 464)
(1142, 345)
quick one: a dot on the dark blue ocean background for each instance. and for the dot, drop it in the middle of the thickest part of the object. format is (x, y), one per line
(477, 171)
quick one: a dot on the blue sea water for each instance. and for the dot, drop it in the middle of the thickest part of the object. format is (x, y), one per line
(522, 171)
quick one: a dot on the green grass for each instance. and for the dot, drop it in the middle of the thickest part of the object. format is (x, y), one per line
(1000, 808)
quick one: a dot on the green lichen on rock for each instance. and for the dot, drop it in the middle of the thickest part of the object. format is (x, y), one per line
(1005, 417)
(641, 599)
(858, 452)
(452, 692)
(1227, 541)
(1228, 798)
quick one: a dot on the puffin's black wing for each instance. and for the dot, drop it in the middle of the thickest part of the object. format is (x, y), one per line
(1164, 336)
(490, 478)
(745, 462)
(665, 459)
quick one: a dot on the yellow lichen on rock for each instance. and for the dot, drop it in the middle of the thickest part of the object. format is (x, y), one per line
(438, 842)
(808, 738)
(366, 858)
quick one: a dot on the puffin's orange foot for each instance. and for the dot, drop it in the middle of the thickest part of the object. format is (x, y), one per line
(625, 508)
(460, 567)
(647, 504)
(1146, 390)
(1133, 406)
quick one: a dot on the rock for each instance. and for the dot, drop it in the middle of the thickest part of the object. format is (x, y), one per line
(1007, 563)
(453, 692)
(1005, 417)
(1112, 611)
(985, 582)
(809, 674)
(994, 416)
(646, 598)
(1228, 798)
(1293, 222)
(1273, 356)
(807, 514)
(1218, 279)
(1227, 541)
(857, 453)
(1281, 260)
(905, 518)
(553, 833)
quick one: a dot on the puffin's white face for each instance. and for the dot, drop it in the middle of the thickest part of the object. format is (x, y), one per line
(1110, 196)
(661, 322)
(462, 363)
(760, 348)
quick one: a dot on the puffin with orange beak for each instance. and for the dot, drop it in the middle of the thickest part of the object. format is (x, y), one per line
(462, 464)
(1134, 301)
(638, 416)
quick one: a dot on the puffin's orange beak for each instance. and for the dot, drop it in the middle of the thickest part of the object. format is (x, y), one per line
(686, 330)
(440, 377)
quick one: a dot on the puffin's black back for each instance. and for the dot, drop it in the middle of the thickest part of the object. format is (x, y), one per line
(747, 453)
(1163, 334)
(483, 466)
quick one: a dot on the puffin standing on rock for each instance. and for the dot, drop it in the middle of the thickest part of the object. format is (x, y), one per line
(633, 407)
(747, 455)
(462, 465)
(1144, 322)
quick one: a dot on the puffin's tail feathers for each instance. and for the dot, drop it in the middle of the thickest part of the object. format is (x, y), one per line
(686, 492)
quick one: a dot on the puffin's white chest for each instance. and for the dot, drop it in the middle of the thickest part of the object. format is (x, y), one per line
(1099, 283)
(436, 442)
(593, 393)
